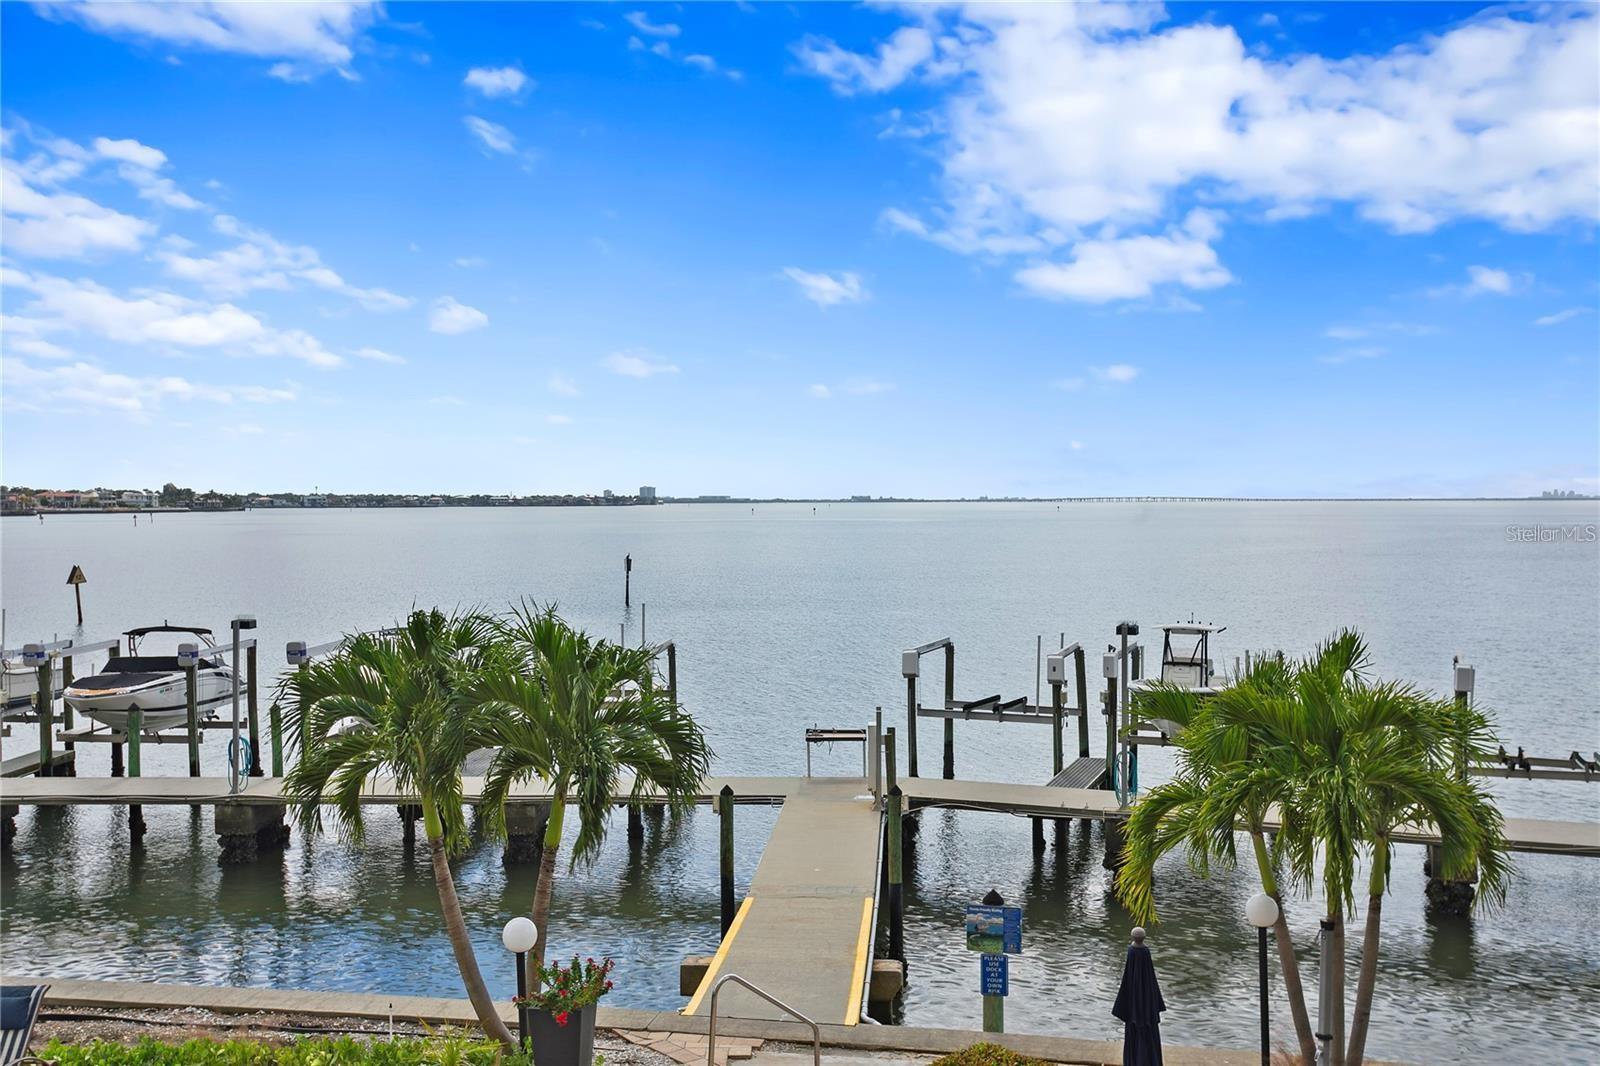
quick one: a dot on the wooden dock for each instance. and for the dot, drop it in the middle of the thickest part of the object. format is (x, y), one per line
(1534, 835)
(804, 932)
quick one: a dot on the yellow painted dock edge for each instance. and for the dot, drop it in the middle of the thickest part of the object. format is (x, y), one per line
(852, 1007)
(716, 960)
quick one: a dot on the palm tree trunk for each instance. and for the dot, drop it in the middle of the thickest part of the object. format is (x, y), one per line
(456, 927)
(1286, 957)
(1369, 954)
(1336, 981)
(547, 877)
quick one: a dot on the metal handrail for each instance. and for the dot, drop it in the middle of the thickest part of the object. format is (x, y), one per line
(711, 1033)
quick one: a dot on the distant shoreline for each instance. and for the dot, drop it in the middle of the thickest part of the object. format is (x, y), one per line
(36, 512)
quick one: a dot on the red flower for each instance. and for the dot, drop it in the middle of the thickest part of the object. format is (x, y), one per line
(561, 1018)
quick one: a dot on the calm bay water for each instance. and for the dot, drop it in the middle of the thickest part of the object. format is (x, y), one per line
(785, 617)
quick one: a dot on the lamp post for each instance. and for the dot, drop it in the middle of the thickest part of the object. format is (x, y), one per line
(518, 936)
(235, 774)
(1262, 911)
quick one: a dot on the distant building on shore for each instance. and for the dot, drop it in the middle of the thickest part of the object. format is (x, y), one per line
(647, 494)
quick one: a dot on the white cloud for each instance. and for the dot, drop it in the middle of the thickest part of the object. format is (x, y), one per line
(1116, 373)
(320, 33)
(826, 290)
(905, 50)
(558, 420)
(1076, 445)
(1123, 268)
(1482, 280)
(448, 315)
(641, 22)
(1487, 279)
(261, 261)
(637, 363)
(494, 136)
(1561, 316)
(1066, 125)
(818, 392)
(131, 151)
(55, 224)
(378, 355)
(562, 385)
(84, 386)
(1345, 333)
(157, 319)
(498, 81)
(471, 262)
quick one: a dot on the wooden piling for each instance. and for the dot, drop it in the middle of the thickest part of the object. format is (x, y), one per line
(135, 739)
(256, 769)
(672, 672)
(116, 758)
(275, 723)
(44, 702)
(191, 698)
(1038, 835)
(66, 714)
(911, 726)
(897, 902)
(635, 823)
(889, 775)
(949, 723)
(1111, 732)
(1057, 756)
(1083, 702)
(725, 816)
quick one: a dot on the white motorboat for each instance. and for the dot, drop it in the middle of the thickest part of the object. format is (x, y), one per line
(155, 684)
(22, 682)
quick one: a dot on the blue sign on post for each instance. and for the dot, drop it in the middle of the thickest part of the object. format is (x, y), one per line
(994, 975)
(994, 930)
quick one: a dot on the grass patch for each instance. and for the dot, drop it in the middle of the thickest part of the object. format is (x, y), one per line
(443, 1050)
(987, 1055)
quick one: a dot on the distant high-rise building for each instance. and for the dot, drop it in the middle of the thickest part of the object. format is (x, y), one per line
(647, 494)
(606, 494)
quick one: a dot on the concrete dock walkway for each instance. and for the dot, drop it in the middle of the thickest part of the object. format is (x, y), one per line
(804, 931)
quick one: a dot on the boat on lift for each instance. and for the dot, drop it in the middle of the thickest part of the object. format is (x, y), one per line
(1185, 662)
(155, 684)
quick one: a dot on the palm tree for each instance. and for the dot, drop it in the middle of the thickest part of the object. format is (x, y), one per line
(393, 705)
(1371, 758)
(1345, 762)
(1220, 786)
(586, 717)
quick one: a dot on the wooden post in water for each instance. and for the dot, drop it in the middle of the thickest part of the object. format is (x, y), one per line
(135, 739)
(1057, 756)
(66, 715)
(725, 816)
(949, 723)
(256, 769)
(44, 702)
(275, 723)
(635, 823)
(1109, 664)
(897, 899)
(911, 726)
(191, 699)
(1082, 690)
(672, 672)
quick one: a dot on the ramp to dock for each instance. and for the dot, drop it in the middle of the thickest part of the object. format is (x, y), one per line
(804, 932)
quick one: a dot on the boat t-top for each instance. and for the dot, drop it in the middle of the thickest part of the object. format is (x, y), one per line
(1186, 662)
(155, 684)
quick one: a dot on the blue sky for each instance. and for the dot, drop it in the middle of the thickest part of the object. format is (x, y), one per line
(797, 250)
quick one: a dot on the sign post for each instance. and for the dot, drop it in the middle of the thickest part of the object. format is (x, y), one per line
(77, 581)
(994, 930)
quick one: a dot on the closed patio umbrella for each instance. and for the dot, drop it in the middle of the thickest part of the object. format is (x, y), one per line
(1139, 1006)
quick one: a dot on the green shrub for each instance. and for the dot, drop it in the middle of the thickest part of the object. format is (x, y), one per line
(449, 1049)
(987, 1055)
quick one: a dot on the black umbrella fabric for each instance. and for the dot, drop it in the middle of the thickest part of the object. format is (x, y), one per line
(1139, 1006)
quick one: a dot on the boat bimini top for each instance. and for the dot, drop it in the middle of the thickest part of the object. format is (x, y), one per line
(1186, 653)
(136, 635)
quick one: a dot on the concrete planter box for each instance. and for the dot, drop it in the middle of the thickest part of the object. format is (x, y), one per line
(563, 1045)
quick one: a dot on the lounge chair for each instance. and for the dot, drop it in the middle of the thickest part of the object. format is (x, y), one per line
(19, 1009)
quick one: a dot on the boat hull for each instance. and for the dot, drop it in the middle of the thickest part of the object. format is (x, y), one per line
(163, 702)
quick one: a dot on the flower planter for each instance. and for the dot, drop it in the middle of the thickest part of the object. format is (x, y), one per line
(555, 1044)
